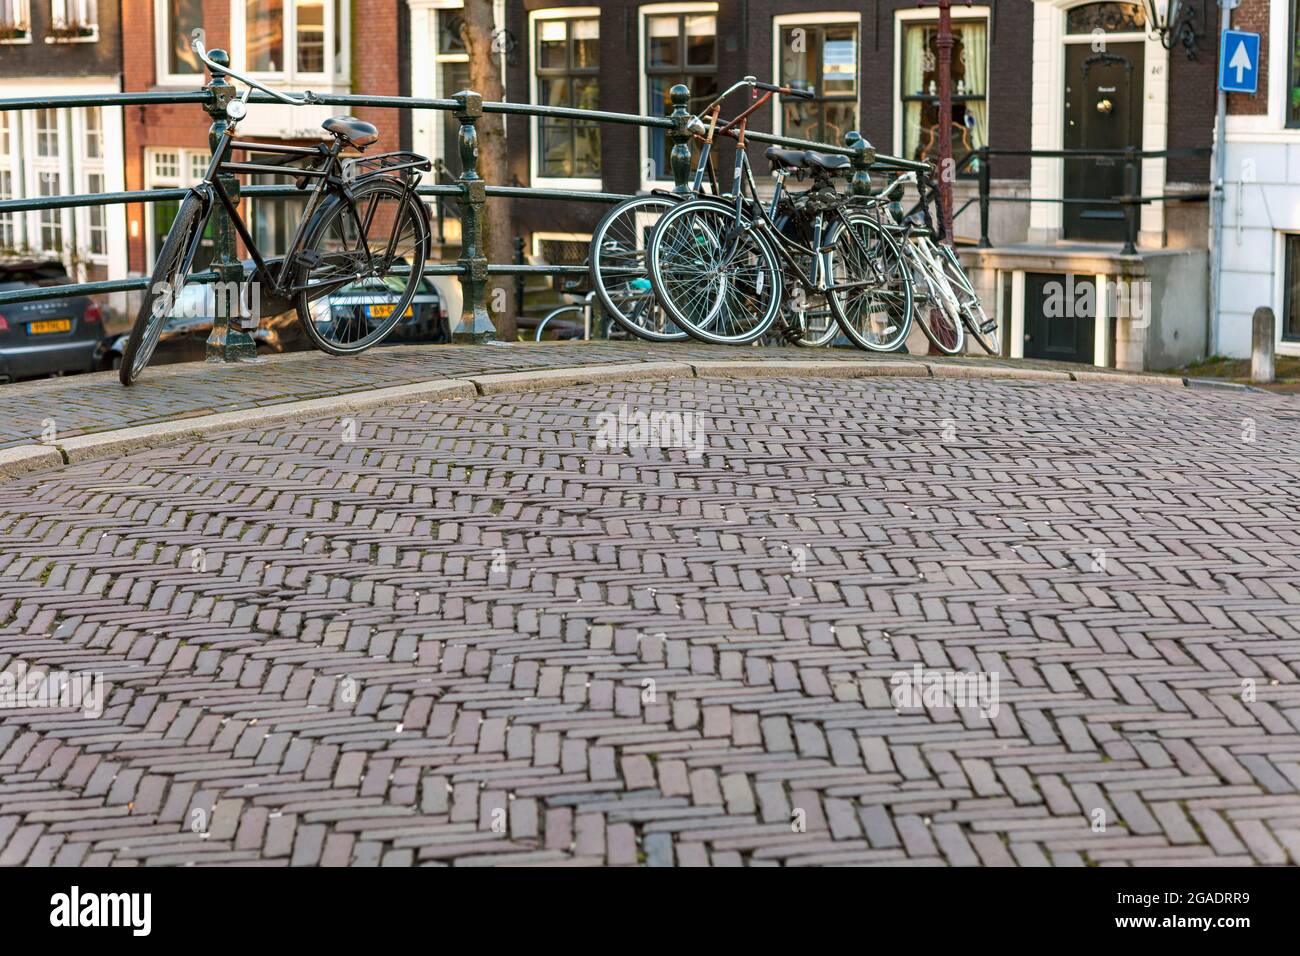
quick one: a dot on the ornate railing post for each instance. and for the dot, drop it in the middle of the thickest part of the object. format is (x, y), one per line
(863, 157)
(228, 342)
(475, 325)
(680, 157)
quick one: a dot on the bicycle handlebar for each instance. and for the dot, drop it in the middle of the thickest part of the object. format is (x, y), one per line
(300, 99)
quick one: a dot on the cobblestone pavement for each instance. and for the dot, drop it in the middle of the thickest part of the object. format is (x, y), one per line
(79, 404)
(471, 636)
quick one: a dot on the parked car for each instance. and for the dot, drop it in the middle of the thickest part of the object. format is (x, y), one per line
(48, 336)
(184, 337)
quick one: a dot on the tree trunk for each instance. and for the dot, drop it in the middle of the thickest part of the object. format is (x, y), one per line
(498, 223)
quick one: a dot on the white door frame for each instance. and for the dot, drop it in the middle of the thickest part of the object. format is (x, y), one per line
(1047, 129)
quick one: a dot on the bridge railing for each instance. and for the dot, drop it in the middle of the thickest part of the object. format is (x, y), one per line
(229, 341)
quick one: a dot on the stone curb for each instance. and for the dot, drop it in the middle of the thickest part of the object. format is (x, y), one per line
(535, 380)
(27, 459)
(827, 369)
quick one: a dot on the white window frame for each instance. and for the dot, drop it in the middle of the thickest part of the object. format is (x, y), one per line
(188, 162)
(85, 8)
(643, 85)
(22, 8)
(811, 19)
(904, 18)
(336, 71)
(9, 164)
(85, 167)
(59, 164)
(162, 51)
(534, 128)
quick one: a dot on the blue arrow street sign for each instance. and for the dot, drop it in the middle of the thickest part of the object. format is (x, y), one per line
(1239, 62)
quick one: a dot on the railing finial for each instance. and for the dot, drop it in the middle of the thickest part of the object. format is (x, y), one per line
(680, 157)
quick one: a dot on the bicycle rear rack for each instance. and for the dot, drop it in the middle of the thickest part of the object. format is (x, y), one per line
(400, 165)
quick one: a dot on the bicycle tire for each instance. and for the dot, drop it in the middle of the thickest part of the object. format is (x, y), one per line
(892, 264)
(165, 284)
(744, 280)
(629, 300)
(983, 329)
(318, 232)
(944, 331)
(577, 310)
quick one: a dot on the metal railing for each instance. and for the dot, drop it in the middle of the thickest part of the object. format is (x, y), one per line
(470, 192)
(1130, 200)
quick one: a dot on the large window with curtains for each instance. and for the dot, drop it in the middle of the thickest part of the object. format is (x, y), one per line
(920, 88)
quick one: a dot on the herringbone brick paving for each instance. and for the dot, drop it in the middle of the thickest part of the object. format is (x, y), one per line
(80, 404)
(472, 636)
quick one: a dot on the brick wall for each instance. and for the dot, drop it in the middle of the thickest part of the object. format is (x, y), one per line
(1252, 15)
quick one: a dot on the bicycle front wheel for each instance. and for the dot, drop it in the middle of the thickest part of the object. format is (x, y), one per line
(716, 276)
(164, 290)
(361, 266)
(617, 263)
(870, 288)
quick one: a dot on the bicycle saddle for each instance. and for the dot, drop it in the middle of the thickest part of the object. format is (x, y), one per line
(807, 159)
(357, 132)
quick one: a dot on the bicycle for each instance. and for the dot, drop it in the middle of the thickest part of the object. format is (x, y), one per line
(719, 267)
(355, 261)
(952, 305)
(577, 319)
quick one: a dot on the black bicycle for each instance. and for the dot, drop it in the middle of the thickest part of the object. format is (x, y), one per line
(355, 261)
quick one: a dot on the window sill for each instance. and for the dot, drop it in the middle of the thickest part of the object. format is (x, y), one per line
(556, 182)
(92, 38)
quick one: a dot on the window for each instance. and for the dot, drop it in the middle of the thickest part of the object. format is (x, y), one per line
(920, 89)
(15, 22)
(174, 21)
(274, 220)
(294, 38)
(97, 226)
(680, 47)
(1291, 291)
(1293, 69)
(567, 64)
(47, 133)
(51, 220)
(91, 222)
(94, 133)
(823, 58)
(73, 20)
(452, 65)
(9, 239)
(174, 168)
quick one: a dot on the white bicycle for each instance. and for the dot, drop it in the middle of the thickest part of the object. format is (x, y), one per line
(946, 302)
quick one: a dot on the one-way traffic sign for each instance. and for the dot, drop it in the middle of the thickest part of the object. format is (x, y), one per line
(1239, 62)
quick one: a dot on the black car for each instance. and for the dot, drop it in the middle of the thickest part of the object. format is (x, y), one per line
(48, 336)
(185, 336)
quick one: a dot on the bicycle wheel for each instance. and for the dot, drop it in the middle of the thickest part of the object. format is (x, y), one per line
(359, 274)
(164, 290)
(559, 324)
(982, 328)
(716, 276)
(870, 288)
(937, 310)
(809, 323)
(617, 262)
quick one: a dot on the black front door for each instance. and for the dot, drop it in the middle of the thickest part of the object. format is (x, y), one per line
(1059, 314)
(1103, 110)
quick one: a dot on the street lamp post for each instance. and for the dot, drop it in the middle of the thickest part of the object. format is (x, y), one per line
(944, 42)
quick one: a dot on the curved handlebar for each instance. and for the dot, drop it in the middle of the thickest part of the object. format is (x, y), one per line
(300, 99)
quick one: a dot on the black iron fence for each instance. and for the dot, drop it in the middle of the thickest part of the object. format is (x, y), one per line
(1130, 201)
(468, 191)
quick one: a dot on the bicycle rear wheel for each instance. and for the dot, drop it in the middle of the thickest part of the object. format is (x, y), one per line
(716, 276)
(164, 290)
(617, 263)
(870, 288)
(982, 328)
(566, 322)
(359, 274)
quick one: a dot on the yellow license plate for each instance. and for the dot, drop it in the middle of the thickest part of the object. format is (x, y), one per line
(50, 325)
(384, 311)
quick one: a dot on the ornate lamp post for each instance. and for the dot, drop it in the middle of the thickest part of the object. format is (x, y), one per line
(944, 42)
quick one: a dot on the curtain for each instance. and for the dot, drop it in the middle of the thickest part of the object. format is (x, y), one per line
(974, 38)
(913, 81)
